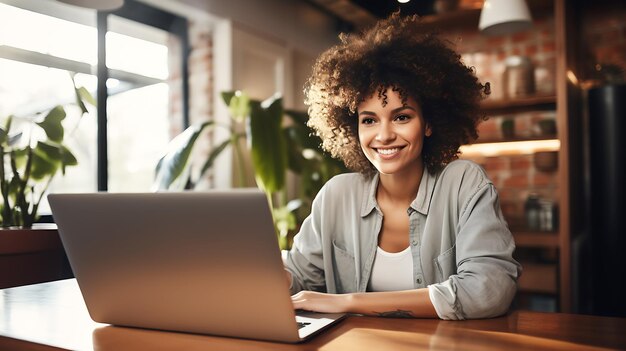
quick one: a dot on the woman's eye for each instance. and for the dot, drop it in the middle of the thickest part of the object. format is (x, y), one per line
(367, 121)
(402, 118)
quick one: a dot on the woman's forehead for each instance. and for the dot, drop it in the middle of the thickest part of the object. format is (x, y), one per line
(388, 95)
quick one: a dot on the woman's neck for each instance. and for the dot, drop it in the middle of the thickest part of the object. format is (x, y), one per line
(401, 187)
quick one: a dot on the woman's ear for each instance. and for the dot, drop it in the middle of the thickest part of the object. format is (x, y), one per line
(429, 131)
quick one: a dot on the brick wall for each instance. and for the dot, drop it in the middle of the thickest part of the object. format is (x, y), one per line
(200, 73)
(487, 54)
(200, 86)
(514, 176)
(200, 77)
(604, 40)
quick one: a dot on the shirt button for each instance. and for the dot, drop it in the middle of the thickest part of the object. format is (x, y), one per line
(414, 242)
(419, 281)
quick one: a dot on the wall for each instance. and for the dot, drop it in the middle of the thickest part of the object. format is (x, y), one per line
(295, 23)
(603, 36)
(295, 30)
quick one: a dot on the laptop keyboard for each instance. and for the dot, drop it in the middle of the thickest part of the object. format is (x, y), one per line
(302, 324)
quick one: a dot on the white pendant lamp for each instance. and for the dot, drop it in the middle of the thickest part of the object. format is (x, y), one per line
(500, 17)
(100, 5)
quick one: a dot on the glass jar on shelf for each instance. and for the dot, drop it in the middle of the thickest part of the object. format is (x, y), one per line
(548, 216)
(532, 209)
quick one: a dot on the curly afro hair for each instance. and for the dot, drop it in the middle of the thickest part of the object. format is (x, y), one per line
(396, 53)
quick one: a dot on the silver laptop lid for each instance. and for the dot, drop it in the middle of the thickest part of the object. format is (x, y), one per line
(201, 262)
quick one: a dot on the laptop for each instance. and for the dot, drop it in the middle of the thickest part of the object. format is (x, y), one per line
(196, 262)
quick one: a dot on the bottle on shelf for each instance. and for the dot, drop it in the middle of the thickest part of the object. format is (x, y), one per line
(532, 210)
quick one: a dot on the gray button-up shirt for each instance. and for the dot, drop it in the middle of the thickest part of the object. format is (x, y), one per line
(461, 246)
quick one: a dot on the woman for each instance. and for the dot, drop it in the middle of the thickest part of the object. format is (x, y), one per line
(412, 233)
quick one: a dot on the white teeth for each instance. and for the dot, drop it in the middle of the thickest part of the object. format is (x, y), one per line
(388, 151)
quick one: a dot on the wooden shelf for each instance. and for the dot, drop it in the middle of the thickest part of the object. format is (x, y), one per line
(538, 278)
(506, 148)
(520, 138)
(518, 105)
(549, 240)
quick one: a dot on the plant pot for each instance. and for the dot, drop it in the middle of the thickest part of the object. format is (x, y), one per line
(547, 127)
(31, 255)
(546, 161)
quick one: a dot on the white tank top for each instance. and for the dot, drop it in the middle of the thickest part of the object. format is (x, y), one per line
(392, 271)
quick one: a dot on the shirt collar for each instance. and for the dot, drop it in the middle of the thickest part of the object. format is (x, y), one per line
(369, 198)
(421, 203)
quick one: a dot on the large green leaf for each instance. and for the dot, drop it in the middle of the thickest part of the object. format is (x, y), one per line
(3, 136)
(82, 95)
(48, 157)
(79, 102)
(7, 140)
(299, 117)
(7, 125)
(267, 143)
(86, 96)
(295, 160)
(67, 159)
(43, 167)
(52, 124)
(238, 104)
(51, 152)
(301, 133)
(19, 156)
(14, 185)
(175, 160)
(300, 140)
(215, 153)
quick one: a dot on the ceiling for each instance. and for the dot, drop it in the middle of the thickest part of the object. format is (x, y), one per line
(356, 14)
(383, 8)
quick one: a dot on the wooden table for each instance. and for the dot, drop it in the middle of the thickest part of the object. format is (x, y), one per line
(53, 316)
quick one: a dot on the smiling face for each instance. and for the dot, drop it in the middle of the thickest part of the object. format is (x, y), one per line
(392, 134)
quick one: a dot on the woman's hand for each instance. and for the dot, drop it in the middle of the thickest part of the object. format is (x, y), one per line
(321, 302)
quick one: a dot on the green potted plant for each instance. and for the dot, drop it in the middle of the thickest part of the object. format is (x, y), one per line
(32, 150)
(278, 141)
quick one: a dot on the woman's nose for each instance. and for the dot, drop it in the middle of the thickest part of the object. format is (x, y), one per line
(385, 133)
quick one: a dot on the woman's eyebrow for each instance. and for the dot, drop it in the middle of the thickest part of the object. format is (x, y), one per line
(405, 107)
(395, 110)
(370, 113)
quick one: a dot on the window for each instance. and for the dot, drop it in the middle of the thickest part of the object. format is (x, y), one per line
(145, 94)
(137, 111)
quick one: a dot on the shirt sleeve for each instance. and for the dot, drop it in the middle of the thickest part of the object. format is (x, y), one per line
(305, 259)
(486, 279)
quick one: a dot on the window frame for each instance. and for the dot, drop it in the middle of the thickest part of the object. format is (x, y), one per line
(151, 16)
